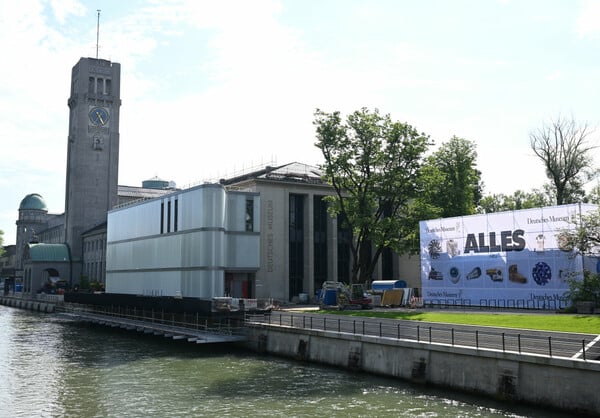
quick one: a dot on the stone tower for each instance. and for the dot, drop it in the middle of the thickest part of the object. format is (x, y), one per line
(32, 219)
(93, 150)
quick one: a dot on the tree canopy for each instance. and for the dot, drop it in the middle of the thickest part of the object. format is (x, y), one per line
(517, 201)
(450, 179)
(584, 236)
(373, 164)
(565, 148)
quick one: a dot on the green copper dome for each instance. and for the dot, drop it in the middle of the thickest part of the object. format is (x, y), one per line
(33, 202)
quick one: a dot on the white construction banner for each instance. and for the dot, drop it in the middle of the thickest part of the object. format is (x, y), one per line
(504, 259)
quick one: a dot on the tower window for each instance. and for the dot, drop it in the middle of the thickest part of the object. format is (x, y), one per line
(91, 85)
(107, 85)
(99, 85)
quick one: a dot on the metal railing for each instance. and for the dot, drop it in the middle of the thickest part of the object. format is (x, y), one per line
(530, 343)
(183, 321)
(541, 304)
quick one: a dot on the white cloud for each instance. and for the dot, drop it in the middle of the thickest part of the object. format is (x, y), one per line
(554, 76)
(588, 21)
(247, 78)
(63, 8)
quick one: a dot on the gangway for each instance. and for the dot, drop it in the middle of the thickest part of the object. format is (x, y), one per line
(200, 334)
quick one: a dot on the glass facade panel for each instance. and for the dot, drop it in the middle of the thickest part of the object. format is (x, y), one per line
(296, 244)
(249, 215)
(387, 264)
(320, 217)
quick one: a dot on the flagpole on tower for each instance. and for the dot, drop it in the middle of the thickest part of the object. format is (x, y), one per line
(97, 32)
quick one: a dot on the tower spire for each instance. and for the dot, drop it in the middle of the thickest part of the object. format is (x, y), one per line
(97, 32)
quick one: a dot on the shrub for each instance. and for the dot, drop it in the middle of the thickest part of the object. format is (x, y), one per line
(586, 290)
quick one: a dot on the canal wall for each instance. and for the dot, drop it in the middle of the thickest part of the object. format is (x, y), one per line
(47, 306)
(567, 384)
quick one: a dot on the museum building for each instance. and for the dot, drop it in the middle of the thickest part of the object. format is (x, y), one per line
(196, 242)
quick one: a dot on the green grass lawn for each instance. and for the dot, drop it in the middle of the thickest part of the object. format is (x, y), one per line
(588, 324)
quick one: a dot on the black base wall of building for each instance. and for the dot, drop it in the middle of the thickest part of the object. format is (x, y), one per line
(158, 303)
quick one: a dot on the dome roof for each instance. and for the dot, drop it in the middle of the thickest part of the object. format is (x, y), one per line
(33, 201)
(47, 252)
(155, 183)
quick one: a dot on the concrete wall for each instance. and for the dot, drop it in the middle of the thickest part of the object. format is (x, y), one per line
(570, 385)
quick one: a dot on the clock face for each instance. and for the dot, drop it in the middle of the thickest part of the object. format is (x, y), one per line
(99, 116)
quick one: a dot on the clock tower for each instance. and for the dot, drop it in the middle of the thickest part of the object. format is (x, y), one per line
(92, 152)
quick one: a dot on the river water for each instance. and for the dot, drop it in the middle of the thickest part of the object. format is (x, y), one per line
(52, 367)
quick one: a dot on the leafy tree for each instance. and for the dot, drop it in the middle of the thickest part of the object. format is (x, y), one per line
(594, 195)
(586, 290)
(517, 201)
(526, 200)
(583, 238)
(452, 181)
(1, 242)
(493, 203)
(373, 165)
(565, 148)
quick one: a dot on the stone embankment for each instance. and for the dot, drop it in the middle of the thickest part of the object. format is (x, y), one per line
(568, 384)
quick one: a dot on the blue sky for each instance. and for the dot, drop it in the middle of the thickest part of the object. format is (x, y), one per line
(210, 88)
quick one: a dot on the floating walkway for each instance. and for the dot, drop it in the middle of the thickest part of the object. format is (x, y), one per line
(213, 335)
(46, 305)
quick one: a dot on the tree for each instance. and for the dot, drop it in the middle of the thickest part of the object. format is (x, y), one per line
(517, 201)
(583, 238)
(564, 147)
(452, 181)
(373, 164)
(584, 235)
(594, 195)
(1, 242)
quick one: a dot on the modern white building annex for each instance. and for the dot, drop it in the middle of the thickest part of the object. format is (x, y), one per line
(200, 242)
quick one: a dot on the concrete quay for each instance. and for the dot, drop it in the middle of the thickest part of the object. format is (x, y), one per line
(568, 384)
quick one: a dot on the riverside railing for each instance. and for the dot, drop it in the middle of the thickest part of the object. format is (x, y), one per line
(183, 321)
(541, 304)
(511, 341)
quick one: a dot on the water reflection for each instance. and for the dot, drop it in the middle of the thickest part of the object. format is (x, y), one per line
(58, 368)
